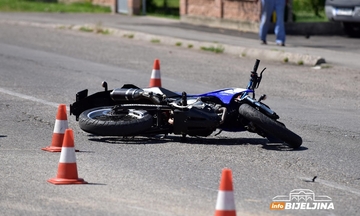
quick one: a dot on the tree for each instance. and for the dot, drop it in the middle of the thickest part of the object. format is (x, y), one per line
(317, 6)
(314, 5)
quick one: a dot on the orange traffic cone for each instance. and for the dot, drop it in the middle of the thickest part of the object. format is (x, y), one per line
(67, 170)
(155, 79)
(61, 124)
(225, 204)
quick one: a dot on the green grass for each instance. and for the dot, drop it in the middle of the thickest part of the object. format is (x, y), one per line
(129, 36)
(97, 29)
(42, 6)
(309, 16)
(86, 29)
(218, 49)
(155, 41)
(158, 14)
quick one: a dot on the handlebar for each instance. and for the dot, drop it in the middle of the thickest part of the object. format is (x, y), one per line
(256, 65)
(254, 78)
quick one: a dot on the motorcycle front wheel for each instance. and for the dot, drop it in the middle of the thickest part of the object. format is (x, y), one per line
(270, 126)
(104, 121)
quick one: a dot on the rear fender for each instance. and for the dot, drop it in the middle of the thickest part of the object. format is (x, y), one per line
(85, 102)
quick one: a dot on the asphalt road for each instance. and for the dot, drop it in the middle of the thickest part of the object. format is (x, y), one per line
(41, 68)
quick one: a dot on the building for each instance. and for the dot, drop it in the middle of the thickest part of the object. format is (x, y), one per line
(235, 14)
(242, 15)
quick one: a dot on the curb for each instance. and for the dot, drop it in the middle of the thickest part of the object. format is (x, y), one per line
(243, 52)
(272, 55)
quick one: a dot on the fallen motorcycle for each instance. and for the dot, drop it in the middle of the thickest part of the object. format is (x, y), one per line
(131, 111)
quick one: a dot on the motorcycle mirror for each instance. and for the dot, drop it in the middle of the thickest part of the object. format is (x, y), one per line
(262, 72)
(105, 85)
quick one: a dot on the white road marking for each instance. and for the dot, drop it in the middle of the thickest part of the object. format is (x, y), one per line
(27, 97)
(334, 185)
(148, 210)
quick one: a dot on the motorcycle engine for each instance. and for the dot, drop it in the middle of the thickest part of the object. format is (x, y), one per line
(197, 119)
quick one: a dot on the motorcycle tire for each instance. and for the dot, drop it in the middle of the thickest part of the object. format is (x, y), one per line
(100, 121)
(270, 126)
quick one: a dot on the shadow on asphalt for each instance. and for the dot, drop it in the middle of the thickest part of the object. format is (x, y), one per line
(221, 141)
(96, 184)
(283, 147)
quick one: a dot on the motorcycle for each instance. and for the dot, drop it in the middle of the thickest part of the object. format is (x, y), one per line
(131, 111)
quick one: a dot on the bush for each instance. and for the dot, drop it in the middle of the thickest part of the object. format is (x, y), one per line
(166, 7)
(309, 5)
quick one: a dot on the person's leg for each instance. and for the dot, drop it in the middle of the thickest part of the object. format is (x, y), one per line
(267, 10)
(280, 26)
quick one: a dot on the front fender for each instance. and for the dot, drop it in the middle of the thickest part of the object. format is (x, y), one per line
(261, 107)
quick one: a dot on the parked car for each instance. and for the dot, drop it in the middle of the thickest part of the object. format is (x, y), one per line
(347, 12)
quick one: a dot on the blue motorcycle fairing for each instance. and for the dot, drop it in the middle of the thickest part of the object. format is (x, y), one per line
(225, 95)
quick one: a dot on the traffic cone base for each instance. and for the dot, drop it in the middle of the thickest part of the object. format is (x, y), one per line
(225, 213)
(61, 181)
(67, 169)
(52, 149)
(56, 145)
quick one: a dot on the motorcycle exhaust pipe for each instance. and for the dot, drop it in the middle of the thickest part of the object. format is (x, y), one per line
(125, 94)
(132, 94)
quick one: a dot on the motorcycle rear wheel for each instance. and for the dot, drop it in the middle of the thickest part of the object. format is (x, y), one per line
(270, 126)
(102, 121)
